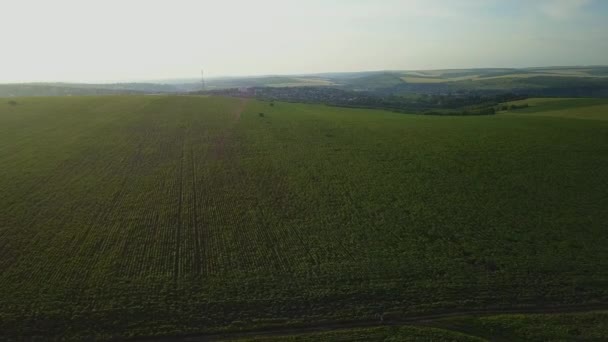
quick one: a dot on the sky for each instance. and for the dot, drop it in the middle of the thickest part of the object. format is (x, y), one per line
(133, 40)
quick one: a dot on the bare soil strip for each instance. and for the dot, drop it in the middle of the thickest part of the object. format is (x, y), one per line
(242, 104)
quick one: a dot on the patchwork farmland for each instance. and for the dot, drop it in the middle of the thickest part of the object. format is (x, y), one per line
(141, 216)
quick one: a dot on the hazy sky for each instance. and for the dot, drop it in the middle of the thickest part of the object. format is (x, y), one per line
(110, 40)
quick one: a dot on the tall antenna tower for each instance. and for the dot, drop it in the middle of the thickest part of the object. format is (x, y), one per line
(203, 86)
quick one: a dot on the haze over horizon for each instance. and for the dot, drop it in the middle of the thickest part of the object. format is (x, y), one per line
(101, 41)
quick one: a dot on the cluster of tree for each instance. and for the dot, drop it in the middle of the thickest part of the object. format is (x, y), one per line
(424, 104)
(461, 103)
(463, 112)
(513, 106)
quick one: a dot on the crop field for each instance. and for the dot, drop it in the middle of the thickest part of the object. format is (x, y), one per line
(592, 109)
(139, 216)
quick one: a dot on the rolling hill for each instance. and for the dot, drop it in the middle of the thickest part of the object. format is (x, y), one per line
(549, 81)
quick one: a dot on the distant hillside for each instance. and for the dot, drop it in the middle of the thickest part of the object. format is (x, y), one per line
(374, 81)
(73, 89)
(269, 81)
(554, 81)
(550, 81)
(537, 82)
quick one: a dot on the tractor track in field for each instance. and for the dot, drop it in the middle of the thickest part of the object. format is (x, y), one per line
(242, 104)
(220, 143)
(197, 243)
(178, 231)
(427, 320)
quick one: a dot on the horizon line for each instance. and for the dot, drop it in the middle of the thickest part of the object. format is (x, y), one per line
(197, 79)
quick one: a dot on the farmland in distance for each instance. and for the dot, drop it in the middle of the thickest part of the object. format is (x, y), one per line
(136, 216)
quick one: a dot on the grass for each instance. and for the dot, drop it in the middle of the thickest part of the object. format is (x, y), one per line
(579, 108)
(591, 326)
(155, 215)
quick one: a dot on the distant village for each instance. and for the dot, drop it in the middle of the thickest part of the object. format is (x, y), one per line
(325, 95)
(421, 104)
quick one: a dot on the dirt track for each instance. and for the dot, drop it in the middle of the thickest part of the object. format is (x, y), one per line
(239, 110)
(425, 320)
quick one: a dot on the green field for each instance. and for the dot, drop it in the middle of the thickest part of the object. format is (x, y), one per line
(126, 216)
(592, 109)
(590, 326)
